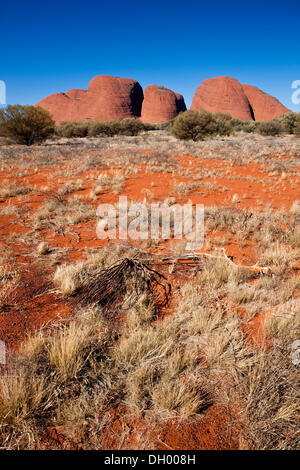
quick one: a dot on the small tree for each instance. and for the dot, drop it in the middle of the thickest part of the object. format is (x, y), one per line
(26, 124)
(193, 125)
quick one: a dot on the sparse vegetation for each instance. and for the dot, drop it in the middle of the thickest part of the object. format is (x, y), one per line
(221, 348)
(167, 368)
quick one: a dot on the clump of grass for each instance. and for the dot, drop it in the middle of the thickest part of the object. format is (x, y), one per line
(71, 187)
(13, 189)
(59, 212)
(9, 278)
(69, 278)
(271, 389)
(185, 188)
(43, 248)
(279, 256)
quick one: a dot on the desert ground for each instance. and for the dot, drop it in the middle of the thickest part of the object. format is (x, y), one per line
(209, 366)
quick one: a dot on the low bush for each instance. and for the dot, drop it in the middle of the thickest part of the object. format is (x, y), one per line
(26, 124)
(223, 123)
(128, 126)
(98, 129)
(131, 126)
(244, 126)
(269, 128)
(165, 125)
(197, 125)
(222, 116)
(73, 129)
(249, 126)
(287, 122)
(193, 125)
(149, 126)
(297, 126)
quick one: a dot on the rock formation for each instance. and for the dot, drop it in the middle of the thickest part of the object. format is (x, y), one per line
(243, 102)
(106, 98)
(264, 106)
(161, 104)
(223, 94)
(118, 98)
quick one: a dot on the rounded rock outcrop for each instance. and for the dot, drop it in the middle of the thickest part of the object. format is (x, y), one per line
(265, 107)
(161, 104)
(107, 98)
(224, 94)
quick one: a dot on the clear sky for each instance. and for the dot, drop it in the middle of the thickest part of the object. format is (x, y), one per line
(53, 46)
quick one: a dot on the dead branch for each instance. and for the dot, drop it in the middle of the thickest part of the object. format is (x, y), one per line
(128, 279)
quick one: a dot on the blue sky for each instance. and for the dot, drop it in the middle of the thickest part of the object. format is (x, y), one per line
(50, 47)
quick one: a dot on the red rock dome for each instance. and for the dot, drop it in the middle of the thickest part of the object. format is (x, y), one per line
(161, 104)
(223, 94)
(106, 98)
(264, 106)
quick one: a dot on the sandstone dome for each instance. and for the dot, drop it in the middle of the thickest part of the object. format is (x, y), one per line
(107, 98)
(264, 106)
(161, 104)
(223, 94)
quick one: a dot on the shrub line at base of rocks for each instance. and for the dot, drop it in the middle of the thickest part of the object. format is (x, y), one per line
(30, 125)
(127, 126)
(196, 125)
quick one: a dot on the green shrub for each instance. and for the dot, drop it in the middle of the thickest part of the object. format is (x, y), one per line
(269, 128)
(114, 127)
(149, 126)
(131, 126)
(73, 129)
(105, 128)
(193, 125)
(26, 124)
(244, 126)
(223, 123)
(297, 126)
(166, 125)
(288, 122)
(249, 126)
(196, 125)
(237, 124)
(100, 129)
(222, 116)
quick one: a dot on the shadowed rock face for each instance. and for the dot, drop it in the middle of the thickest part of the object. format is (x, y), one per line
(106, 98)
(161, 104)
(180, 103)
(265, 107)
(223, 94)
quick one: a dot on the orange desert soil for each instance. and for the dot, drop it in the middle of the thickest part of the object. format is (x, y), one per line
(35, 302)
